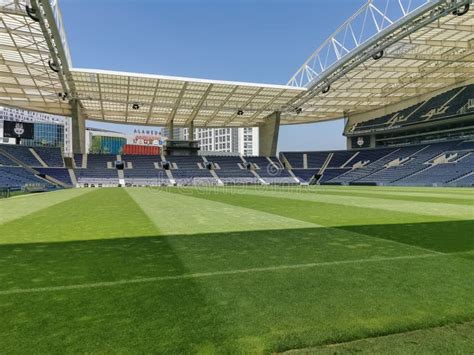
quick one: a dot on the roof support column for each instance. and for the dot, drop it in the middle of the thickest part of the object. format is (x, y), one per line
(170, 128)
(268, 135)
(191, 131)
(78, 128)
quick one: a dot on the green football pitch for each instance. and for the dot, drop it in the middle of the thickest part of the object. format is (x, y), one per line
(225, 270)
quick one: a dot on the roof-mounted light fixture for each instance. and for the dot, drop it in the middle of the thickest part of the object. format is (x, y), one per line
(31, 12)
(63, 95)
(53, 66)
(378, 55)
(462, 10)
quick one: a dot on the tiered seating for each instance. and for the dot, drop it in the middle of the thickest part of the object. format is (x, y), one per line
(332, 173)
(387, 120)
(271, 171)
(305, 175)
(279, 176)
(339, 158)
(365, 173)
(5, 161)
(261, 164)
(466, 180)
(442, 173)
(231, 173)
(188, 171)
(371, 155)
(374, 160)
(97, 176)
(441, 106)
(444, 105)
(316, 160)
(51, 156)
(100, 161)
(416, 163)
(97, 171)
(445, 163)
(466, 145)
(18, 177)
(60, 174)
(295, 159)
(144, 171)
(78, 160)
(442, 163)
(21, 153)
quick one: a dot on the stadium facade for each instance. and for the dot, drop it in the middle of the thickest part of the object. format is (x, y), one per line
(50, 130)
(398, 71)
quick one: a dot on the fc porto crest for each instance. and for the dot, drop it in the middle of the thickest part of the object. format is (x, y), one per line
(19, 129)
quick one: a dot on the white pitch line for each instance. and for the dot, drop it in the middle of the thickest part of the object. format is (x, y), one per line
(210, 274)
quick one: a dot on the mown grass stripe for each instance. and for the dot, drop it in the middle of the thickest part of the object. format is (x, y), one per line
(419, 208)
(402, 197)
(427, 232)
(465, 194)
(401, 189)
(24, 205)
(215, 273)
(97, 214)
(178, 214)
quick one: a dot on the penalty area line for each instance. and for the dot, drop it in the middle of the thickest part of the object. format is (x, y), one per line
(211, 274)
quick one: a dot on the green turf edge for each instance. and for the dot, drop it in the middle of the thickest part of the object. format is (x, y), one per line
(452, 339)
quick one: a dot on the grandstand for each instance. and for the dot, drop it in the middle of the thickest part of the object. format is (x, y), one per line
(446, 163)
(190, 170)
(99, 171)
(23, 167)
(366, 249)
(144, 170)
(407, 99)
(232, 170)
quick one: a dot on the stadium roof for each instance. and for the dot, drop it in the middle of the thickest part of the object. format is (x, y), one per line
(419, 46)
(158, 99)
(26, 79)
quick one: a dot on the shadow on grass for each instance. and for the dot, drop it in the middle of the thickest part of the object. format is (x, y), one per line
(445, 237)
(158, 317)
(178, 316)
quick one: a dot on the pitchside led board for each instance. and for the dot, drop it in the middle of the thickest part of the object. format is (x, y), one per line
(20, 130)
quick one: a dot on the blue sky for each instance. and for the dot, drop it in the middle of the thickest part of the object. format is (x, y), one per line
(242, 40)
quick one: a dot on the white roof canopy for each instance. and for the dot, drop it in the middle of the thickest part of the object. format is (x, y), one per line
(424, 50)
(26, 79)
(156, 100)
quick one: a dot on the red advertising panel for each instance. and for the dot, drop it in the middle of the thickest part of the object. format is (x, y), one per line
(132, 149)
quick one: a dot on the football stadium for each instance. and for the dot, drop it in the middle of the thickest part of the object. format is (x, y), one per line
(177, 248)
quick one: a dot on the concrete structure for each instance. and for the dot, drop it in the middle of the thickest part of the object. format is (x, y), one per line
(78, 128)
(20, 115)
(268, 138)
